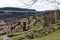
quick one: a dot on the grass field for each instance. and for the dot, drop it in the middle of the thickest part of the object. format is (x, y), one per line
(53, 36)
(1, 39)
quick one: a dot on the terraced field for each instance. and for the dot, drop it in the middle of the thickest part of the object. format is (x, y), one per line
(53, 36)
(39, 31)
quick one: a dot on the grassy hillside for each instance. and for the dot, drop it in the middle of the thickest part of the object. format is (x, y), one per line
(37, 34)
(53, 36)
(44, 28)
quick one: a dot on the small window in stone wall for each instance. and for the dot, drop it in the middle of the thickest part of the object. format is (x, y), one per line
(24, 26)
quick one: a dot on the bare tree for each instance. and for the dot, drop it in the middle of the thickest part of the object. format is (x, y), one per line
(56, 7)
(28, 2)
(32, 2)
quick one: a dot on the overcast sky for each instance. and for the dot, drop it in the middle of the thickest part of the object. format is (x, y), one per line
(39, 6)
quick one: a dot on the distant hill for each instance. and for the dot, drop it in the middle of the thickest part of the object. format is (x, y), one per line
(13, 16)
(17, 9)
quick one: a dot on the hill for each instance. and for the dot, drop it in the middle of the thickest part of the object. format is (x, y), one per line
(13, 14)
